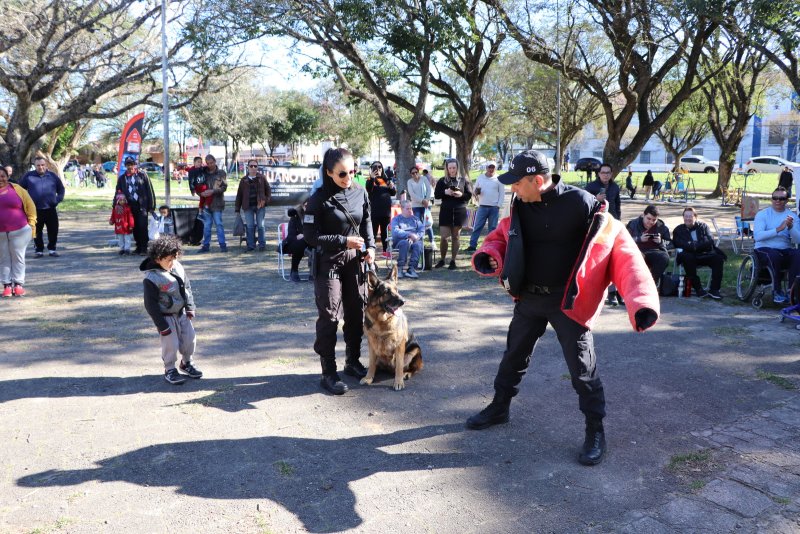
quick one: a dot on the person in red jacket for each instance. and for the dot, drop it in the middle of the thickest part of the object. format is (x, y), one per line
(122, 219)
(556, 254)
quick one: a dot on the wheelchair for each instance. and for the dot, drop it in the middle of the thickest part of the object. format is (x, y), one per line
(755, 278)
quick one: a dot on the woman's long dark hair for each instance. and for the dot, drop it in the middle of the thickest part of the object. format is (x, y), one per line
(333, 156)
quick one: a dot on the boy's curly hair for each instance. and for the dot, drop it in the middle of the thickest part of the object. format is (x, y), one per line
(165, 245)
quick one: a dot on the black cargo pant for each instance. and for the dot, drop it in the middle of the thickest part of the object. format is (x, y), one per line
(140, 222)
(340, 291)
(531, 315)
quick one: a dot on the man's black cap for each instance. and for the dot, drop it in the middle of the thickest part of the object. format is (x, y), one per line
(525, 164)
(130, 160)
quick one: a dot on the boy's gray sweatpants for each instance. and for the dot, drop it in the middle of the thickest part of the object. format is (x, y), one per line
(181, 339)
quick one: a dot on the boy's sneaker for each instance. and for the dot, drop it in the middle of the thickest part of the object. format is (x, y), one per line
(54, 254)
(127, 252)
(223, 248)
(470, 249)
(19, 291)
(174, 377)
(204, 248)
(714, 294)
(411, 273)
(191, 370)
(7, 290)
(39, 255)
(778, 297)
(452, 265)
(400, 273)
(121, 252)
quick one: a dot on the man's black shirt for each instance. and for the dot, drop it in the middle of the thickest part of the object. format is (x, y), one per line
(553, 232)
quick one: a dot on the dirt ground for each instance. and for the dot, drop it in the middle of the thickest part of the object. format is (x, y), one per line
(94, 440)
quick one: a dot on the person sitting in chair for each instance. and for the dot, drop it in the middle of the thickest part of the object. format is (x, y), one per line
(407, 233)
(696, 243)
(651, 236)
(774, 230)
(294, 243)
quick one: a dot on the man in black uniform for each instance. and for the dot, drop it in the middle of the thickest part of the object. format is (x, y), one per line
(139, 194)
(549, 222)
(337, 222)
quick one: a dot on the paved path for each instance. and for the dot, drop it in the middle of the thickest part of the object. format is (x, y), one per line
(702, 436)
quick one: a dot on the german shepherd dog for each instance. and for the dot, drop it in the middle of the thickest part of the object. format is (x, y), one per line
(392, 346)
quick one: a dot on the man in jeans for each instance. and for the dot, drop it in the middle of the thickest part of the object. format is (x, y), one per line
(492, 195)
(216, 180)
(47, 192)
(407, 232)
(775, 229)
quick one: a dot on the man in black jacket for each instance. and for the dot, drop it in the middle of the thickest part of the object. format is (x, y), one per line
(696, 244)
(604, 188)
(138, 191)
(785, 180)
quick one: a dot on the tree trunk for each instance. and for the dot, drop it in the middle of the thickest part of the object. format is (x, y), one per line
(727, 161)
(404, 157)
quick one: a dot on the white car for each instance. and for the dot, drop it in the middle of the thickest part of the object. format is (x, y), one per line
(770, 164)
(699, 164)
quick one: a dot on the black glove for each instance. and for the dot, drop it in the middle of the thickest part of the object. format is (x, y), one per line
(645, 318)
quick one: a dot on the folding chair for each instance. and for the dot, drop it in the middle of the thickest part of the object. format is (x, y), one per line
(726, 233)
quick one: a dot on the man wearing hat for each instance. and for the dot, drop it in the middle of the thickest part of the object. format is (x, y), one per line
(553, 255)
(138, 191)
(491, 194)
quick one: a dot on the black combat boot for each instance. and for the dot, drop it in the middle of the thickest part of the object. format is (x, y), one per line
(494, 414)
(352, 365)
(594, 445)
(330, 380)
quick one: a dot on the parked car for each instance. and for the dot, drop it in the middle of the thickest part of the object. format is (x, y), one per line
(315, 164)
(149, 166)
(110, 166)
(770, 164)
(699, 164)
(588, 164)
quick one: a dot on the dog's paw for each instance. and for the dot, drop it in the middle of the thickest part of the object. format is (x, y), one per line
(406, 376)
(366, 381)
(398, 385)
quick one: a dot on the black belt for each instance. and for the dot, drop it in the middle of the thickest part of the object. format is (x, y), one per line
(544, 290)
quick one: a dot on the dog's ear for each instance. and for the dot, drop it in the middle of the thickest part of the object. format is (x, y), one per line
(372, 279)
(392, 276)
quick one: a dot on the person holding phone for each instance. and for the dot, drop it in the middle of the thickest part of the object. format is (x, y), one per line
(337, 222)
(454, 191)
(652, 237)
(381, 189)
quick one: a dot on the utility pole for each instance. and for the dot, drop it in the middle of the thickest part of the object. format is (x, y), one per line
(558, 157)
(165, 100)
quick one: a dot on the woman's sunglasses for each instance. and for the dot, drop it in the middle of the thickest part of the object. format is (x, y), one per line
(343, 174)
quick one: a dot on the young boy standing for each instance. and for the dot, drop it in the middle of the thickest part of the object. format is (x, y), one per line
(169, 301)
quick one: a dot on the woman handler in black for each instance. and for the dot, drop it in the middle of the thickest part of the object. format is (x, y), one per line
(337, 222)
(454, 191)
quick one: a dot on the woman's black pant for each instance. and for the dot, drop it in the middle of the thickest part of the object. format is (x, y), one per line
(340, 293)
(382, 222)
(297, 248)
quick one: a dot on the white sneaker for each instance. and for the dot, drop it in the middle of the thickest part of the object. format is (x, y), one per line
(411, 273)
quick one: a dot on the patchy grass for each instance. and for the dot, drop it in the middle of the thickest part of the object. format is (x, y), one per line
(689, 460)
(782, 500)
(284, 468)
(697, 485)
(779, 381)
